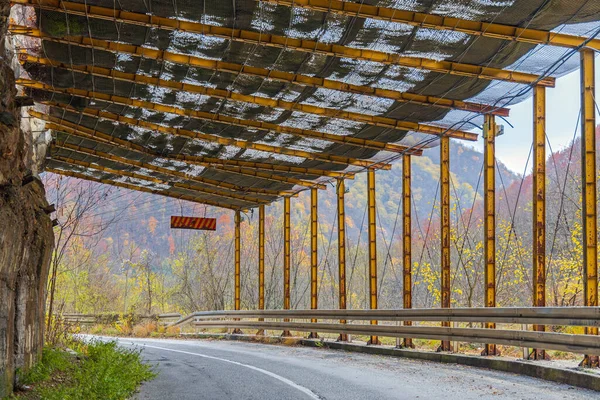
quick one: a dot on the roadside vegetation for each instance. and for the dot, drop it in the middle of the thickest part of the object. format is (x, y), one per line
(93, 370)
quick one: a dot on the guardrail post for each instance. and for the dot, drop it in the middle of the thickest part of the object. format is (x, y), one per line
(341, 190)
(238, 245)
(589, 207)
(314, 260)
(445, 237)
(287, 254)
(372, 248)
(261, 262)
(489, 223)
(407, 242)
(539, 209)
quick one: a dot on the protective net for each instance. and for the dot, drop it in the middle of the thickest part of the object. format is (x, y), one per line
(576, 17)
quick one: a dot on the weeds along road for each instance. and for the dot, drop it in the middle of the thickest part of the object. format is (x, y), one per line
(201, 369)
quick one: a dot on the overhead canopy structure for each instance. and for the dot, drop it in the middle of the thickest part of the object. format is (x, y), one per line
(234, 104)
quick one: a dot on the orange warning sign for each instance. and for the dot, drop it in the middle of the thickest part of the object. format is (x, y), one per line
(207, 224)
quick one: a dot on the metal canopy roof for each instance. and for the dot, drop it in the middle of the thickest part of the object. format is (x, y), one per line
(234, 104)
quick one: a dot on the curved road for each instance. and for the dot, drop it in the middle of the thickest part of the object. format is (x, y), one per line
(201, 369)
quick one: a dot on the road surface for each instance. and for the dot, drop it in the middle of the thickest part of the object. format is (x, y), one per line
(201, 369)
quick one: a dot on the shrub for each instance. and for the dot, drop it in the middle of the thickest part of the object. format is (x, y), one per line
(173, 331)
(104, 371)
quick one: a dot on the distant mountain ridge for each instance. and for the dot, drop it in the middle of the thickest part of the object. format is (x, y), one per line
(146, 219)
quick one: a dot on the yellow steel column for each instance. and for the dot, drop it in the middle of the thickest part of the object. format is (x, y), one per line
(261, 262)
(407, 242)
(589, 208)
(261, 257)
(372, 247)
(341, 190)
(237, 259)
(287, 254)
(489, 223)
(539, 207)
(238, 246)
(314, 259)
(445, 218)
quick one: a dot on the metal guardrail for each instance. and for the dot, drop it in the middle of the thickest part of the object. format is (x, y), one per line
(91, 319)
(573, 316)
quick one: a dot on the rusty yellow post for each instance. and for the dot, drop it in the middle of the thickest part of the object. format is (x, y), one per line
(237, 259)
(588, 177)
(314, 260)
(238, 245)
(341, 190)
(445, 218)
(489, 223)
(539, 207)
(407, 242)
(261, 257)
(261, 262)
(372, 247)
(287, 254)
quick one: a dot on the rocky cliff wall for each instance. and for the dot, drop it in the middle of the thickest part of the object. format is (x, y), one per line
(26, 237)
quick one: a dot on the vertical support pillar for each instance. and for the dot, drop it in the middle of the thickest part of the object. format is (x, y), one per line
(341, 190)
(588, 180)
(445, 237)
(237, 260)
(372, 247)
(489, 223)
(287, 254)
(261, 262)
(539, 208)
(238, 246)
(407, 242)
(314, 260)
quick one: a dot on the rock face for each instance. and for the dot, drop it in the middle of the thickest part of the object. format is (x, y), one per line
(26, 237)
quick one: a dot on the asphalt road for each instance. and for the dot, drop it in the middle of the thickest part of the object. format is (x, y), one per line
(200, 369)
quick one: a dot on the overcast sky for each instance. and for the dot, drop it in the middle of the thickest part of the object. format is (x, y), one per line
(562, 111)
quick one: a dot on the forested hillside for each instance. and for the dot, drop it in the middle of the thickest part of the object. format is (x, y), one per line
(116, 251)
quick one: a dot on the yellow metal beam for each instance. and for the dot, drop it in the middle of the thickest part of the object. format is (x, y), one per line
(439, 22)
(137, 188)
(81, 131)
(341, 191)
(121, 172)
(539, 207)
(445, 227)
(165, 171)
(589, 195)
(243, 144)
(372, 208)
(283, 42)
(223, 162)
(287, 256)
(489, 222)
(238, 247)
(280, 76)
(374, 120)
(407, 242)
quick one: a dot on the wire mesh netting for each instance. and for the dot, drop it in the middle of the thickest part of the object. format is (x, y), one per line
(577, 17)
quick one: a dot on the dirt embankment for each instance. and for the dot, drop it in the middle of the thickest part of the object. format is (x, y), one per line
(26, 237)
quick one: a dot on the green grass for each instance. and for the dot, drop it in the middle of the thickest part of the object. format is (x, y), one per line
(101, 371)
